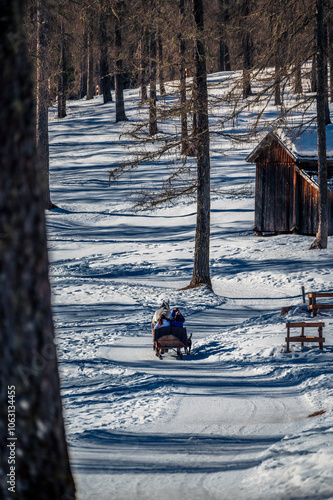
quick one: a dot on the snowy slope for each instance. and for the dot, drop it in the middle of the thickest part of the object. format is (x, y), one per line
(228, 421)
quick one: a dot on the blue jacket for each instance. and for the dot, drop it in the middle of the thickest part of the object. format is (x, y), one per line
(180, 319)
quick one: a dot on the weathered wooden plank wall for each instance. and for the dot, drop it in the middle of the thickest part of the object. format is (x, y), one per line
(285, 200)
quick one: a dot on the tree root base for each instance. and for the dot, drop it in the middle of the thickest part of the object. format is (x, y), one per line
(317, 245)
(51, 206)
(196, 285)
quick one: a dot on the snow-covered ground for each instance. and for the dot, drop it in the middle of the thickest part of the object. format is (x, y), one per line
(231, 420)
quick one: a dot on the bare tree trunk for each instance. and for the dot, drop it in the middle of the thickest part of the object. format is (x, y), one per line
(34, 461)
(183, 100)
(298, 79)
(62, 75)
(277, 79)
(313, 75)
(104, 64)
(224, 56)
(160, 66)
(143, 65)
(83, 68)
(201, 275)
(322, 234)
(330, 55)
(247, 48)
(90, 68)
(280, 56)
(152, 94)
(194, 133)
(118, 80)
(327, 108)
(42, 100)
(292, 45)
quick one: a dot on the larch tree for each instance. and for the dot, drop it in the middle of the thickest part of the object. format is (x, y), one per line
(90, 58)
(247, 48)
(161, 65)
(42, 97)
(330, 54)
(62, 72)
(153, 75)
(104, 61)
(277, 30)
(182, 79)
(201, 271)
(36, 463)
(84, 64)
(119, 77)
(322, 235)
(223, 18)
(143, 64)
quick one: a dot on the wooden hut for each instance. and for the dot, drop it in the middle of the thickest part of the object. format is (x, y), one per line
(286, 197)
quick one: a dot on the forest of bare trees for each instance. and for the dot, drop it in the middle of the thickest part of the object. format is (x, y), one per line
(94, 44)
(83, 48)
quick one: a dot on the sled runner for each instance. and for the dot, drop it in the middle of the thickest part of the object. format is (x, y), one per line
(171, 337)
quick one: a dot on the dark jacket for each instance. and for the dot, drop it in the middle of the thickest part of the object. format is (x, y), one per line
(176, 318)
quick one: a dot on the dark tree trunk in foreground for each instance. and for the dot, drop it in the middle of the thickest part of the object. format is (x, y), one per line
(201, 275)
(42, 98)
(104, 64)
(182, 76)
(62, 75)
(118, 79)
(152, 94)
(322, 235)
(34, 458)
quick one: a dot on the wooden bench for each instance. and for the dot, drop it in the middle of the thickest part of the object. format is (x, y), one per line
(305, 338)
(313, 306)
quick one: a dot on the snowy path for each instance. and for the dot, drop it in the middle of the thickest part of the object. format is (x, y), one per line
(216, 423)
(228, 421)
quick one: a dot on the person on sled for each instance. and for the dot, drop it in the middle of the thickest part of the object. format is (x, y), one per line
(163, 309)
(176, 317)
(162, 321)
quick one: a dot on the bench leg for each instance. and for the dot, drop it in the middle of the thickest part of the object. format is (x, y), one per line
(302, 335)
(288, 335)
(320, 333)
(314, 310)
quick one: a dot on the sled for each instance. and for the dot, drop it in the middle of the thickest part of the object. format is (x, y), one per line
(171, 338)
